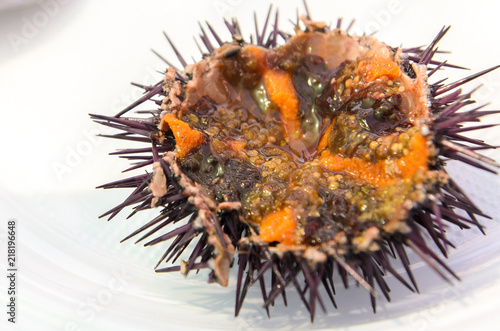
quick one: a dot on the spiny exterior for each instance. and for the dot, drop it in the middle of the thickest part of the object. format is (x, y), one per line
(216, 228)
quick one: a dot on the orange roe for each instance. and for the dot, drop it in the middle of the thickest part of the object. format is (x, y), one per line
(323, 142)
(381, 66)
(279, 226)
(281, 91)
(186, 139)
(236, 145)
(279, 87)
(259, 54)
(384, 172)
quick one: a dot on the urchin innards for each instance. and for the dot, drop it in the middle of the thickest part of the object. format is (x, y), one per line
(297, 156)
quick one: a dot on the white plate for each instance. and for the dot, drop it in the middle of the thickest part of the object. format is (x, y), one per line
(58, 65)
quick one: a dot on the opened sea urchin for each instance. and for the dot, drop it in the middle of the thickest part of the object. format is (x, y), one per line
(300, 156)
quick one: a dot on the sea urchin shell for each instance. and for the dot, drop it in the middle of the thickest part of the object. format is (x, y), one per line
(321, 154)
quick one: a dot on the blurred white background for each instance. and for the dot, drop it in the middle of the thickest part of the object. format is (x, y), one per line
(63, 59)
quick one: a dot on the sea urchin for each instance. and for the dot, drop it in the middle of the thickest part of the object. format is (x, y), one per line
(311, 153)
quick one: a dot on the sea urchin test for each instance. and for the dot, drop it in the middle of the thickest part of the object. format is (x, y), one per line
(301, 154)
